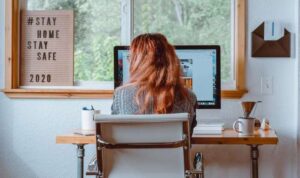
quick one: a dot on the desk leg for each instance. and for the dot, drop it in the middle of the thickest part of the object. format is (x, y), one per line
(254, 158)
(80, 158)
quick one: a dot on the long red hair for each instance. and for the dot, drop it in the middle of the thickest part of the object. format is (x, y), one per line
(155, 69)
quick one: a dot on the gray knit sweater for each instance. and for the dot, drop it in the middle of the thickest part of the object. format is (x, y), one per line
(124, 103)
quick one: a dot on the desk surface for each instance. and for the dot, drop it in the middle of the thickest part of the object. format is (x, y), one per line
(228, 136)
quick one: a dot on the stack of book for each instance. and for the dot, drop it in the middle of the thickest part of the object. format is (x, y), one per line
(209, 129)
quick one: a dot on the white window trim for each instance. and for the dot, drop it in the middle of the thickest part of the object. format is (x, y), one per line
(127, 21)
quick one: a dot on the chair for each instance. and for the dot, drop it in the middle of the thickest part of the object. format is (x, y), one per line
(143, 146)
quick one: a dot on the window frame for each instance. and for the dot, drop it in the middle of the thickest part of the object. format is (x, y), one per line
(13, 90)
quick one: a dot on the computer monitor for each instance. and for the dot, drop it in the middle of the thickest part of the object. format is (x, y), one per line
(200, 71)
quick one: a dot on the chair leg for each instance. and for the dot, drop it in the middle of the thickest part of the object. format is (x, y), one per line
(199, 165)
(93, 168)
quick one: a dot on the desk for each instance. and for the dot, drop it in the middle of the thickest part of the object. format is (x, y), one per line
(228, 136)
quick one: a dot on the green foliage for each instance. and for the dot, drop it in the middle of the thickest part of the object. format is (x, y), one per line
(190, 22)
(98, 28)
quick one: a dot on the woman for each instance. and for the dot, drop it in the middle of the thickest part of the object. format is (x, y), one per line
(155, 85)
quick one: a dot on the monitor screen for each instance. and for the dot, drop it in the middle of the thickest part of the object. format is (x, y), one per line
(200, 67)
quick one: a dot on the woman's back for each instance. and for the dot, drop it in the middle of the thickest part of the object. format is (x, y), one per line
(124, 102)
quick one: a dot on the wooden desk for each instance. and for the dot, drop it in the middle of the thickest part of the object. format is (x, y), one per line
(229, 136)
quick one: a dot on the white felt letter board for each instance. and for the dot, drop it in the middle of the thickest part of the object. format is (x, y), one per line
(46, 48)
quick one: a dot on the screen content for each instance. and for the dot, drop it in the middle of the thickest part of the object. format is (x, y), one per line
(199, 68)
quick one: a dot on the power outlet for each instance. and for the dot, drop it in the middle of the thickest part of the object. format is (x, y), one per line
(267, 85)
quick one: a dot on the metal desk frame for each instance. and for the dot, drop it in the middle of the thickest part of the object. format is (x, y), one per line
(228, 137)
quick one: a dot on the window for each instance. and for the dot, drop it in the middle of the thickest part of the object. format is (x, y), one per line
(97, 31)
(100, 25)
(189, 22)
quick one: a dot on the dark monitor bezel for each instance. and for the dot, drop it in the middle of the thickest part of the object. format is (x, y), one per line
(217, 104)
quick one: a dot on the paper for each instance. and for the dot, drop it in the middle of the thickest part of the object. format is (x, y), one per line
(273, 31)
(84, 132)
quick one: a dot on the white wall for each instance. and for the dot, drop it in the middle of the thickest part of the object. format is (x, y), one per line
(28, 127)
(280, 107)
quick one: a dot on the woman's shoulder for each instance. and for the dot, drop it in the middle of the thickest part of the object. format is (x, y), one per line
(123, 101)
(127, 89)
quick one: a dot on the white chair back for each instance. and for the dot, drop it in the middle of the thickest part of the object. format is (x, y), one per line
(139, 146)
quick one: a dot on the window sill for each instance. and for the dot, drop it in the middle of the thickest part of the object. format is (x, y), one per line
(58, 93)
(88, 94)
(233, 94)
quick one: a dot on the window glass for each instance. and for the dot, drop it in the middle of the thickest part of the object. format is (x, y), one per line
(189, 22)
(97, 31)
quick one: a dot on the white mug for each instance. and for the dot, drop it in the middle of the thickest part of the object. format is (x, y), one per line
(245, 127)
(87, 119)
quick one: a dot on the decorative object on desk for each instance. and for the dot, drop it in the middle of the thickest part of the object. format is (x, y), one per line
(270, 46)
(257, 124)
(47, 48)
(209, 128)
(87, 118)
(265, 125)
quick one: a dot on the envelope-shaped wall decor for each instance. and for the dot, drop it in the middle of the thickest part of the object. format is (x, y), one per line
(278, 48)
